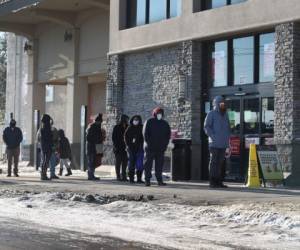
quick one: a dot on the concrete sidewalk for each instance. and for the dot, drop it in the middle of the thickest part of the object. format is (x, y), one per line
(175, 192)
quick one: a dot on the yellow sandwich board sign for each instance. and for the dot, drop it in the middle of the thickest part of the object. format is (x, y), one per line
(253, 171)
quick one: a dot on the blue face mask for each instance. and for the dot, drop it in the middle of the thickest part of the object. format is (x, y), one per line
(159, 117)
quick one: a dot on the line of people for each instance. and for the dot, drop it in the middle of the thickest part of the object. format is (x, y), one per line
(134, 144)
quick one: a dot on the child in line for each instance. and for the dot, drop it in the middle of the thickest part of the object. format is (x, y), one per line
(64, 150)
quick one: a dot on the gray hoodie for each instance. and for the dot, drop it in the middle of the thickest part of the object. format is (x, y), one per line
(217, 127)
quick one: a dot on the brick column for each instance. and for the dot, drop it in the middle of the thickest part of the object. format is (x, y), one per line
(189, 110)
(287, 99)
(114, 101)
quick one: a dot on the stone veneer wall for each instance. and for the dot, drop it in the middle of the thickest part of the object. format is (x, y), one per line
(287, 99)
(169, 77)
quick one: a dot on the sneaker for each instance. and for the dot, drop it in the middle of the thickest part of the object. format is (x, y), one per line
(94, 178)
(54, 177)
(16, 175)
(9, 175)
(45, 178)
(222, 185)
(160, 183)
(140, 182)
(147, 184)
(214, 185)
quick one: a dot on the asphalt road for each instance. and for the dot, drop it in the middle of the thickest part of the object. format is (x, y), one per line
(18, 235)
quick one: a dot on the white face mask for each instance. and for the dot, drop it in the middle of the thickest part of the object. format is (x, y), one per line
(135, 122)
(159, 116)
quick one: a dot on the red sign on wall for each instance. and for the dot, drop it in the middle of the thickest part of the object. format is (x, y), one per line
(235, 144)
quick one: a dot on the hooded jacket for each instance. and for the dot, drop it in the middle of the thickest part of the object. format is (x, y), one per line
(64, 148)
(216, 126)
(12, 137)
(134, 136)
(156, 133)
(94, 135)
(118, 135)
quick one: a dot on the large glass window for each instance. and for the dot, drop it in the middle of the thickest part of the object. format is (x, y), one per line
(243, 60)
(243, 57)
(175, 8)
(266, 57)
(158, 10)
(219, 64)
(140, 12)
(212, 4)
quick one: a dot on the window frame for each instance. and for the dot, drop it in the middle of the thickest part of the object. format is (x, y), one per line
(204, 5)
(230, 59)
(131, 20)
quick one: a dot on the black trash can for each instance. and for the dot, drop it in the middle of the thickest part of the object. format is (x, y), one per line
(181, 160)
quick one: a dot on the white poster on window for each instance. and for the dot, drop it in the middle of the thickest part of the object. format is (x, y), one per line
(219, 66)
(269, 59)
(49, 93)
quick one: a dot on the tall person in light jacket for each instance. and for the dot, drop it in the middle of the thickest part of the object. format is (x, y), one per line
(217, 128)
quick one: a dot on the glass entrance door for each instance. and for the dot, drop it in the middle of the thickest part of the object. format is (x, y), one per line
(251, 122)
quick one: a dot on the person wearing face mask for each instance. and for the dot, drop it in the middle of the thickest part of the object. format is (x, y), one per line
(121, 158)
(217, 128)
(134, 141)
(95, 135)
(12, 137)
(157, 135)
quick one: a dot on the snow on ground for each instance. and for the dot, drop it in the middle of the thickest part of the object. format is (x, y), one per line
(261, 226)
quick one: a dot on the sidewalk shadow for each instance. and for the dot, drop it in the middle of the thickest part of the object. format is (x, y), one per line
(192, 186)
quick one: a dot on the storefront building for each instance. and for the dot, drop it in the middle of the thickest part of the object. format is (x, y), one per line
(129, 56)
(181, 54)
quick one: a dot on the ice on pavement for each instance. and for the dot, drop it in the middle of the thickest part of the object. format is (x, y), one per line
(261, 226)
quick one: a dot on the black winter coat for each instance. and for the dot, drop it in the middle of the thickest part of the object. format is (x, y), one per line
(46, 139)
(64, 148)
(12, 137)
(157, 135)
(118, 138)
(134, 137)
(93, 136)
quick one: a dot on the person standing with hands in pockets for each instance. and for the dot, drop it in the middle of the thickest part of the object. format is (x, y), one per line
(217, 128)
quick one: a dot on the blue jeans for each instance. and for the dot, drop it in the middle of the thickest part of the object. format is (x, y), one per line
(136, 161)
(53, 164)
(91, 165)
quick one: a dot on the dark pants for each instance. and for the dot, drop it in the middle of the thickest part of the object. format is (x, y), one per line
(136, 163)
(121, 164)
(13, 155)
(91, 165)
(158, 157)
(217, 157)
(46, 158)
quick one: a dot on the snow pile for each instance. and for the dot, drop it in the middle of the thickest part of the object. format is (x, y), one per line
(262, 226)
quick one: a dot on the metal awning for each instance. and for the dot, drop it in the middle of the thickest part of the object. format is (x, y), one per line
(22, 16)
(9, 6)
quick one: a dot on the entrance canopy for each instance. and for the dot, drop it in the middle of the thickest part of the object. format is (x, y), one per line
(21, 17)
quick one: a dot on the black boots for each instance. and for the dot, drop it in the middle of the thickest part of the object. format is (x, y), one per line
(69, 172)
(131, 176)
(44, 174)
(139, 175)
(60, 171)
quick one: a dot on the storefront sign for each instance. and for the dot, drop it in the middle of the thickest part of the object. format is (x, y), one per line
(269, 163)
(251, 140)
(235, 144)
